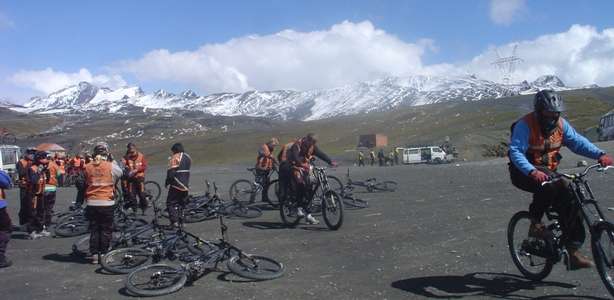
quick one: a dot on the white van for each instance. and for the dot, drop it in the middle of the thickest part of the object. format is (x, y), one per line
(9, 157)
(428, 154)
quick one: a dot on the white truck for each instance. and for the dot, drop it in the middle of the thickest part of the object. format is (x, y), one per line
(9, 157)
(427, 154)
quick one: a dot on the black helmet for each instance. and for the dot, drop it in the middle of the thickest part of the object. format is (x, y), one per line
(40, 155)
(101, 149)
(548, 100)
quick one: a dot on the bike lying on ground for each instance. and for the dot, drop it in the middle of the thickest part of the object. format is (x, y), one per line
(249, 191)
(210, 205)
(371, 184)
(162, 279)
(324, 198)
(535, 257)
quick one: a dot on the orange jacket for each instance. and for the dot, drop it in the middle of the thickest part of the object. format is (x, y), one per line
(543, 151)
(265, 159)
(99, 181)
(283, 152)
(53, 173)
(136, 163)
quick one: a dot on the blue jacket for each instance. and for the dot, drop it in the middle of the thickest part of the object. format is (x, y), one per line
(5, 183)
(571, 139)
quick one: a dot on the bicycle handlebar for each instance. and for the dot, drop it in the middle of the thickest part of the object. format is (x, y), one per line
(559, 176)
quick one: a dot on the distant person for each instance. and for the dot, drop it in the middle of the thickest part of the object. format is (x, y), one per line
(52, 171)
(534, 157)
(5, 220)
(265, 163)
(100, 178)
(133, 182)
(22, 170)
(361, 159)
(178, 182)
(381, 157)
(36, 179)
(396, 156)
(59, 161)
(77, 168)
(372, 157)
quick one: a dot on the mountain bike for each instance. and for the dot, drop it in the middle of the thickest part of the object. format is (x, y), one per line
(162, 279)
(535, 257)
(323, 196)
(210, 205)
(248, 191)
(371, 184)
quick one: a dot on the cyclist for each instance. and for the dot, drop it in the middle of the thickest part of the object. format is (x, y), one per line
(5, 220)
(534, 155)
(134, 178)
(299, 155)
(52, 171)
(22, 170)
(100, 178)
(265, 163)
(177, 181)
(35, 185)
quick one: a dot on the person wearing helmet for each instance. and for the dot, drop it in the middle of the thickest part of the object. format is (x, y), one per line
(265, 163)
(5, 220)
(178, 182)
(133, 184)
(100, 178)
(534, 155)
(300, 156)
(22, 170)
(35, 186)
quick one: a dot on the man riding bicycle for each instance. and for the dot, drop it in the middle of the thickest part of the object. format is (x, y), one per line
(534, 157)
(296, 163)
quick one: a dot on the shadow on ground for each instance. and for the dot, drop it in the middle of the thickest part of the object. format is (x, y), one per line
(491, 285)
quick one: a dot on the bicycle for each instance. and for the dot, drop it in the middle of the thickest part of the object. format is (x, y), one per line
(246, 191)
(162, 279)
(535, 257)
(208, 206)
(323, 196)
(371, 184)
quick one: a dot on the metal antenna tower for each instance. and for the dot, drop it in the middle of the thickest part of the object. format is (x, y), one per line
(507, 65)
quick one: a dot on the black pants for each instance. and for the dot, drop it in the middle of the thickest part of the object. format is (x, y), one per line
(557, 195)
(49, 203)
(262, 177)
(25, 206)
(361, 162)
(36, 212)
(284, 179)
(5, 232)
(135, 189)
(101, 227)
(80, 185)
(302, 186)
(175, 203)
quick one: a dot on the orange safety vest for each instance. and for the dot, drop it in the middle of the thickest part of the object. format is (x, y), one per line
(137, 163)
(99, 180)
(543, 151)
(264, 161)
(283, 152)
(53, 173)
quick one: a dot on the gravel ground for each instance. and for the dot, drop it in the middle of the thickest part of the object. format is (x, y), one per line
(440, 235)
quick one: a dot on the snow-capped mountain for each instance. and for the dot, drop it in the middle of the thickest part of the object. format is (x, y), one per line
(362, 97)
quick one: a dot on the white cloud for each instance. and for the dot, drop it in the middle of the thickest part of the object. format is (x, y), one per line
(48, 80)
(582, 55)
(503, 12)
(345, 53)
(5, 22)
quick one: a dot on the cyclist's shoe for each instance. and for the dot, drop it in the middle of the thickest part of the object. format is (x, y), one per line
(578, 261)
(537, 230)
(34, 236)
(311, 220)
(45, 233)
(300, 212)
(5, 263)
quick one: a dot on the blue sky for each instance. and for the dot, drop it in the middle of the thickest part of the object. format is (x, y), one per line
(45, 44)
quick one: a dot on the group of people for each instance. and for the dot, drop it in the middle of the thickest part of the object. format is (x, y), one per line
(534, 153)
(383, 160)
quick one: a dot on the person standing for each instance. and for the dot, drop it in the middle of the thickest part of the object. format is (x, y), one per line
(22, 170)
(52, 171)
(78, 170)
(381, 157)
(372, 157)
(134, 183)
(5, 220)
(396, 156)
(36, 179)
(361, 159)
(177, 181)
(100, 178)
(265, 162)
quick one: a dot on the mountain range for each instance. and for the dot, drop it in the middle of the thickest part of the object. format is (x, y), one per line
(363, 97)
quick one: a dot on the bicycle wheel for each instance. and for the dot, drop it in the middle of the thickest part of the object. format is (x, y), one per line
(602, 245)
(335, 184)
(531, 266)
(243, 191)
(273, 193)
(152, 192)
(156, 280)
(351, 202)
(385, 186)
(196, 215)
(288, 212)
(72, 228)
(82, 246)
(332, 210)
(125, 260)
(243, 211)
(255, 267)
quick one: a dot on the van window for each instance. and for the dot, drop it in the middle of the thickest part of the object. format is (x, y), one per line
(9, 156)
(414, 151)
(437, 150)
